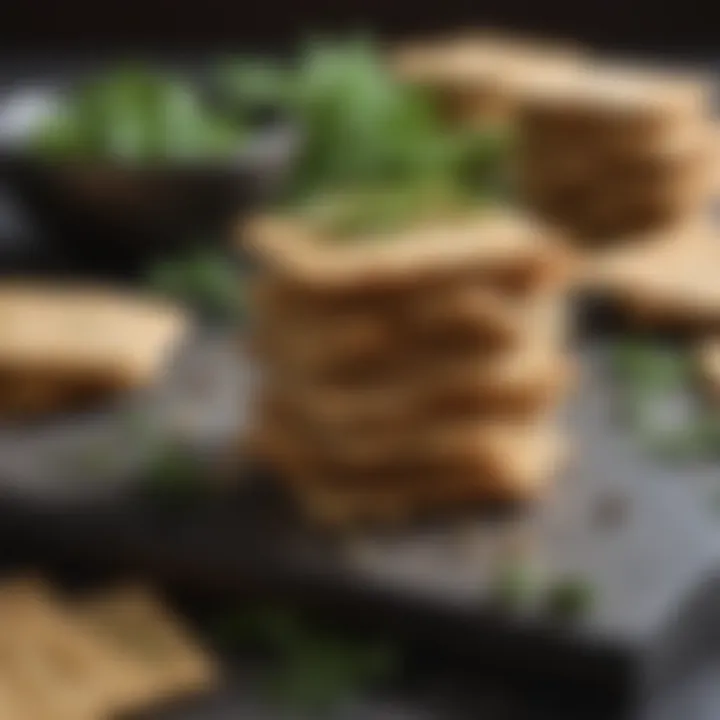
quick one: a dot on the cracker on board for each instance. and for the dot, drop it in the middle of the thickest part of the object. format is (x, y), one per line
(142, 630)
(54, 669)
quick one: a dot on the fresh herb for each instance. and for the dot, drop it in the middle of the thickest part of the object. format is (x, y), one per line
(648, 367)
(250, 85)
(316, 671)
(382, 210)
(659, 402)
(569, 597)
(206, 281)
(135, 115)
(173, 474)
(374, 141)
(515, 584)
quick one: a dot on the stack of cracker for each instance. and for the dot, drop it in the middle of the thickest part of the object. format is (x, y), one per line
(413, 372)
(478, 79)
(107, 656)
(611, 150)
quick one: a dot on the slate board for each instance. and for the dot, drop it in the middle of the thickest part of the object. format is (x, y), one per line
(656, 568)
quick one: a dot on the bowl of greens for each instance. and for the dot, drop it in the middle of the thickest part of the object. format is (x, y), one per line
(132, 165)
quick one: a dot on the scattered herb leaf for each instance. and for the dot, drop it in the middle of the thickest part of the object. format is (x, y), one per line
(515, 584)
(569, 597)
(206, 281)
(316, 671)
(174, 474)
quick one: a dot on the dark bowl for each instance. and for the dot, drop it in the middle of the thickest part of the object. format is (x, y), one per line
(114, 218)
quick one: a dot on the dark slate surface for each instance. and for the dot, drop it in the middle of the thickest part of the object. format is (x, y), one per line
(654, 569)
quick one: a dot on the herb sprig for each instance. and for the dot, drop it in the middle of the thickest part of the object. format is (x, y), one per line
(380, 143)
(315, 670)
(135, 114)
(658, 397)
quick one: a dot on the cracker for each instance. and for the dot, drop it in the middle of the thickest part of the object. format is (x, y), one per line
(478, 78)
(141, 629)
(426, 446)
(63, 343)
(489, 243)
(462, 317)
(518, 466)
(667, 280)
(439, 382)
(617, 99)
(12, 706)
(55, 669)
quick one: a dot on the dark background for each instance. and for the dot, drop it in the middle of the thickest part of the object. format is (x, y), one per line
(81, 26)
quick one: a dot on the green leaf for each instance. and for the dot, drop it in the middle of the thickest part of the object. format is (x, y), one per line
(204, 280)
(137, 115)
(251, 84)
(363, 130)
(173, 474)
(570, 597)
(316, 670)
(515, 584)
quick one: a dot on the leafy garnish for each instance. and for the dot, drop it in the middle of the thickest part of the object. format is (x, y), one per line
(135, 115)
(352, 213)
(570, 597)
(316, 670)
(514, 585)
(173, 474)
(204, 280)
(656, 390)
(366, 135)
(251, 85)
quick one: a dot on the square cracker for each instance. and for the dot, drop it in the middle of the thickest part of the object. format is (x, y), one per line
(447, 467)
(619, 100)
(144, 632)
(52, 669)
(59, 341)
(667, 278)
(520, 467)
(439, 384)
(488, 243)
(479, 77)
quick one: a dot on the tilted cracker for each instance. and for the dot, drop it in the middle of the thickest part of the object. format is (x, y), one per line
(143, 631)
(667, 280)
(56, 669)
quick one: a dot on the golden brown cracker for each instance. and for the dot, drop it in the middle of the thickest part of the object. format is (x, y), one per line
(76, 342)
(490, 242)
(56, 669)
(524, 471)
(145, 633)
(671, 280)
(477, 78)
